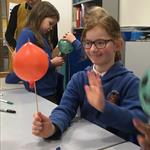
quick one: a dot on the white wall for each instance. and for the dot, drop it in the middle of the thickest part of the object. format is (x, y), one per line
(134, 13)
(131, 13)
(137, 57)
(65, 9)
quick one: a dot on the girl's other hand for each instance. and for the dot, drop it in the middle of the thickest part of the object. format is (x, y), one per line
(42, 126)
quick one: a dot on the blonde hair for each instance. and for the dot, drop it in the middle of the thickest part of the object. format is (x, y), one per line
(98, 16)
(93, 14)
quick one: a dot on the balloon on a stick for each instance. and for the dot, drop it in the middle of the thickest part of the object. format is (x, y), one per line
(30, 63)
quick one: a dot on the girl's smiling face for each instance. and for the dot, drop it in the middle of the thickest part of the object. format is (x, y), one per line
(100, 56)
(47, 24)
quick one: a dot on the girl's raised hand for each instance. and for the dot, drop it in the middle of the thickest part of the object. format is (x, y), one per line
(94, 91)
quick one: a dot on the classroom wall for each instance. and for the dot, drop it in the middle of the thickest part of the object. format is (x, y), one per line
(131, 13)
(134, 12)
(137, 57)
(65, 9)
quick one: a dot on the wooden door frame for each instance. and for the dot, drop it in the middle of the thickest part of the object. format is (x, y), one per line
(6, 9)
(1, 36)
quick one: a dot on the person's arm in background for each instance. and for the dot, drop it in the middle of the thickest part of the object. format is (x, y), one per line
(73, 40)
(144, 139)
(12, 78)
(69, 37)
(11, 28)
(24, 37)
(78, 48)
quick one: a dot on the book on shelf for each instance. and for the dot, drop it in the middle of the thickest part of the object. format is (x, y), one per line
(78, 16)
(79, 12)
(74, 17)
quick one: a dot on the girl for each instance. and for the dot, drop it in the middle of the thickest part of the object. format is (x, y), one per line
(106, 92)
(41, 20)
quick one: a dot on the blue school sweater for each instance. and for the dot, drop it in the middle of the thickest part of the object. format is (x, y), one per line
(116, 117)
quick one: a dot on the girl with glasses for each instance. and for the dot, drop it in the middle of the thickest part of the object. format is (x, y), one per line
(106, 92)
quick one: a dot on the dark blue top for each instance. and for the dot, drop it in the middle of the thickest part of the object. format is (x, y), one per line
(46, 86)
(117, 117)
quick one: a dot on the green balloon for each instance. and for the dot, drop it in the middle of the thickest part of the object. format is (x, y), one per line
(145, 92)
(65, 47)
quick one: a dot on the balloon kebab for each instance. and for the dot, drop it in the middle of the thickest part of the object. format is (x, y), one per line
(145, 92)
(65, 47)
(30, 63)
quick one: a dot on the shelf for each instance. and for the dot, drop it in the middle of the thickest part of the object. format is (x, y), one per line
(3, 74)
(79, 9)
(80, 28)
(82, 2)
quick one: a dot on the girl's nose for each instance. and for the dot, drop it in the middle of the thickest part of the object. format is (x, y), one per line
(93, 48)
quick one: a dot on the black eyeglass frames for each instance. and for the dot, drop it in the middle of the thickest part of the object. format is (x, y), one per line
(99, 44)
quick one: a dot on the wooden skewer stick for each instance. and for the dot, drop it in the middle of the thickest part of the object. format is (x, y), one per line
(37, 107)
(11, 50)
(1, 88)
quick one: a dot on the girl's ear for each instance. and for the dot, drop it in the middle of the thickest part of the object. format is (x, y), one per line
(119, 44)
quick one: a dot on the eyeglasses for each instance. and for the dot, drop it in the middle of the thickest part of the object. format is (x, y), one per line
(99, 44)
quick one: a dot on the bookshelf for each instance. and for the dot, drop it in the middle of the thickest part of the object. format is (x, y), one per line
(79, 9)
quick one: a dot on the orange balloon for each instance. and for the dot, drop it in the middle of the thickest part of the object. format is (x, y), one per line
(30, 63)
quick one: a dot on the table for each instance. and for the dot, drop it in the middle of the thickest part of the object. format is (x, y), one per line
(6, 86)
(124, 146)
(16, 128)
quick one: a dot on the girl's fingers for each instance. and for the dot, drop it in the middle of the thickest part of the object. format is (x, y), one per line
(36, 132)
(140, 126)
(91, 78)
(140, 140)
(86, 88)
(37, 123)
(39, 128)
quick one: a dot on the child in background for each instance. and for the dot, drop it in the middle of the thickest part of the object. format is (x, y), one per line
(16, 23)
(72, 39)
(41, 20)
(78, 55)
(106, 92)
